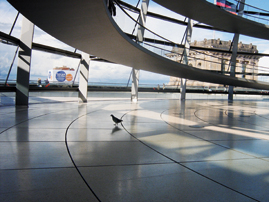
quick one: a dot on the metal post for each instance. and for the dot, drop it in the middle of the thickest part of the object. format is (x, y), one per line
(9, 71)
(142, 20)
(13, 25)
(140, 37)
(185, 57)
(222, 69)
(233, 64)
(76, 72)
(243, 70)
(83, 77)
(234, 52)
(24, 62)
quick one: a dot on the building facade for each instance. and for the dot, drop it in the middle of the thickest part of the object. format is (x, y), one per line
(217, 61)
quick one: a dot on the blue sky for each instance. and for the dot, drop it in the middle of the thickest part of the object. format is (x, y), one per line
(104, 72)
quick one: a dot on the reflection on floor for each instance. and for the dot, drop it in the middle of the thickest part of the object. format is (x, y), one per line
(165, 150)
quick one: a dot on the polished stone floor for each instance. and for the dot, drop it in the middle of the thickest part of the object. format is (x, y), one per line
(165, 150)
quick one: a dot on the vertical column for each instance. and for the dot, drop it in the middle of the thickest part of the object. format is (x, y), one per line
(185, 57)
(222, 69)
(83, 77)
(24, 62)
(140, 38)
(243, 70)
(183, 86)
(234, 52)
(253, 70)
(135, 83)
(233, 64)
(142, 20)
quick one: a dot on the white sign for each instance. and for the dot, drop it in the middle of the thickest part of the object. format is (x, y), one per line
(61, 76)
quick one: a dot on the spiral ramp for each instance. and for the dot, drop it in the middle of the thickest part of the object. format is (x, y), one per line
(88, 26)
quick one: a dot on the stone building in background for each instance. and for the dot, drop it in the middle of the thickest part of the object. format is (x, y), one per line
(217, 61)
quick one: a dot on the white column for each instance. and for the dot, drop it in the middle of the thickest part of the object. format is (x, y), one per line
(140, 37)
(24, 63)
(135, 83)
(183, 86)
(83, 77)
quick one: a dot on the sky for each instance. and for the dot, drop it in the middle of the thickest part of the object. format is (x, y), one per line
(106, 72)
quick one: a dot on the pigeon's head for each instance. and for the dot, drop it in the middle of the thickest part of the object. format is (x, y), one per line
(111, 115)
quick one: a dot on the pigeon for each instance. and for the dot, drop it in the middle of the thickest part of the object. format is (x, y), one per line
(115, 119)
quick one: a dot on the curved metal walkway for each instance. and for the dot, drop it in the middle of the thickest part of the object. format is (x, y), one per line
(88, 26)
(207, 13)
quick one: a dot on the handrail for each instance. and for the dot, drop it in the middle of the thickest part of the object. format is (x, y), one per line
(249, 13)
(142, 25)
(224, 72)
(168, 19)
(251, 6)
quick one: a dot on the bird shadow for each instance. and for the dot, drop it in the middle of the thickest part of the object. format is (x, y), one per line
(115, 129)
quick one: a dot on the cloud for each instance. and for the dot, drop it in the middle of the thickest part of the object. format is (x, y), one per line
(264, 61)
(101, 72)
(8, 14)
(42, 62)
(42, 37)
(6, 56)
